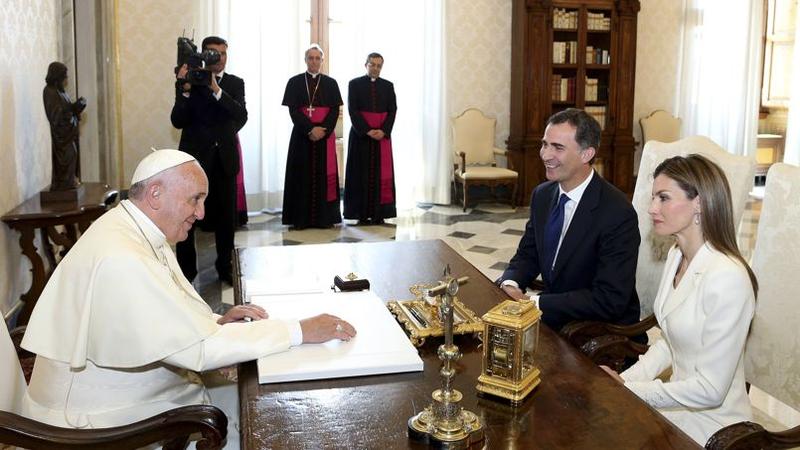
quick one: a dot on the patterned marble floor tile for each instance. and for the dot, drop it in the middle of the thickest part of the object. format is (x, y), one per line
(499, 266)
(461, 235)
(346, 239)
(481, 249)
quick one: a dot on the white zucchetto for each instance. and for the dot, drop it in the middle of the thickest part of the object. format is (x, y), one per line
(159, 161)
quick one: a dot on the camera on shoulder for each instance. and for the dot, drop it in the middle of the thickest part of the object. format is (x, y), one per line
(198, 63)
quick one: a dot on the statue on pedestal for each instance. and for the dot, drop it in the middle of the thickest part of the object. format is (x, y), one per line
(63, 115)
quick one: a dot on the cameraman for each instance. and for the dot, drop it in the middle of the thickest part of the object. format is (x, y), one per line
(210, 116)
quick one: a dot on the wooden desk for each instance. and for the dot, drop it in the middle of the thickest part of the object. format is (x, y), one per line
(75, 218)
(576, 405)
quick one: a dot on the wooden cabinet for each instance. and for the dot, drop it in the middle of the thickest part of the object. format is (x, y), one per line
(579, 54)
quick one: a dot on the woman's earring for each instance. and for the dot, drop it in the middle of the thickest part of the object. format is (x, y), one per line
(697, 218)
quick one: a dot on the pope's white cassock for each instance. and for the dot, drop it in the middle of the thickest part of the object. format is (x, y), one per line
(119, 332)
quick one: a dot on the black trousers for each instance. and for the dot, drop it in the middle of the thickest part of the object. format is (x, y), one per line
(220, 218)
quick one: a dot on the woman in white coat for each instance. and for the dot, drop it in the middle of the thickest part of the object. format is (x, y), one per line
(704, 304)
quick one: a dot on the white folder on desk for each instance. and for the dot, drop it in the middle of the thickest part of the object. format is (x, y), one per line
(380, 346)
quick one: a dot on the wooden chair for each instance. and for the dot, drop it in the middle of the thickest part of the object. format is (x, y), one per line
(473, 140)
(171, 428)
(610, 344)
(660, 126)
(772, 354)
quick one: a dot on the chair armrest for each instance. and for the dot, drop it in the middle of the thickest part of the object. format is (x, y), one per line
(579, 332)
(748, 435)
(463, 158)
(173, 426)
(613, 350)
(26, 358)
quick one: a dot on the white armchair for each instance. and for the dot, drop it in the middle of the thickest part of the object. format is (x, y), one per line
(772, 354)
(473, 141)
(660, 126)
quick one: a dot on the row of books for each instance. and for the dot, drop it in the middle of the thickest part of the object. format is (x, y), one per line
(563, 89)
(599, 114)
(597, 21)
(565, 19)
(565, 52)
(597, 56)
(591, 92)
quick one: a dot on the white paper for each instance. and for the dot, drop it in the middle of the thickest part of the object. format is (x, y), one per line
(285, 286)
(379, 347)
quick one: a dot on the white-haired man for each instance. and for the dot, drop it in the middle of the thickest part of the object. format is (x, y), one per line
(120, 333)
(311, 187)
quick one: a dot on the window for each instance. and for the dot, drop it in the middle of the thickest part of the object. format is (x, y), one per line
(778, 51)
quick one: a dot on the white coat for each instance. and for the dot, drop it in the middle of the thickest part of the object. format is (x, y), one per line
(704, 323)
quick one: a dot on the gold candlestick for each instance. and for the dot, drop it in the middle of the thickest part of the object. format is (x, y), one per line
(444, 423)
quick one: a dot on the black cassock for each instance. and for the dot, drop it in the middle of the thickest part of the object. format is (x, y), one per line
(369, 189)
(311, 189)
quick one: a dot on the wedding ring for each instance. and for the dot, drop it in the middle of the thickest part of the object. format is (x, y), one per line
(339, 327)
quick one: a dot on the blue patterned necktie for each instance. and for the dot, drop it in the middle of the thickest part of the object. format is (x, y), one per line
(552, 234)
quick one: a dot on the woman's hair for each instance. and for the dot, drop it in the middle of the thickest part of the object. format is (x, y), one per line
(697, 175)
(56, 73)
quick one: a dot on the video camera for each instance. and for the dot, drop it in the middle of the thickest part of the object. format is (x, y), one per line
(197, 63)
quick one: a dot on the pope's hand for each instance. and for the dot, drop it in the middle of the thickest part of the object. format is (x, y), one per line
(240, 312)
(324, 327)
(514, 292)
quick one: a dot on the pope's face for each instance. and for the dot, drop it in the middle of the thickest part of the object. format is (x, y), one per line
(374, 67)
(313, 60)
(183, 200)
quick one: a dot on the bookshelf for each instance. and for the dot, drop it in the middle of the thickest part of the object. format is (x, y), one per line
(573, 54)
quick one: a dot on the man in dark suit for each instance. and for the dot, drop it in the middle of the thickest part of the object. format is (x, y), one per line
(210, 117)
(582, 236)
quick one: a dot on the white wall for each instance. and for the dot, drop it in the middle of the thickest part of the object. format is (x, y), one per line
(148, 30)
(29, 33)
(658, 42)
(479, 60)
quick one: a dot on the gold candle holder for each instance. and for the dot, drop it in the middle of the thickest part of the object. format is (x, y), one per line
(444, 423)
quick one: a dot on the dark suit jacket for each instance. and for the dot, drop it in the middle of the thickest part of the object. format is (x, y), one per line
(210, 125)
(595, 269)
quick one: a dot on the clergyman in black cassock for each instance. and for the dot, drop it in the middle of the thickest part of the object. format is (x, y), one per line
(311, 188)
(369, 188)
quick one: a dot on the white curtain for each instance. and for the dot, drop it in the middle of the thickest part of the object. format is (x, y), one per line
(791, 152)
(266, 41)
(719, 86)
(266, 44)
(410, 36)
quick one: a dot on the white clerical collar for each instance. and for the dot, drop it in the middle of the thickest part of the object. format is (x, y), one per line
(576, 194)
(313, 75)
(151, 232)
(373, 79)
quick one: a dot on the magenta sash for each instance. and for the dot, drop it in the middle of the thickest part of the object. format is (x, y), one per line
(241, 200)
(318, 114)
(374, 121)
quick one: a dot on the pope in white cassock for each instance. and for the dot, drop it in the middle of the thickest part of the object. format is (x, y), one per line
(119, 332)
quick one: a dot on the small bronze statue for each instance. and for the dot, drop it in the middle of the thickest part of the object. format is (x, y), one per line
(63, 115)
